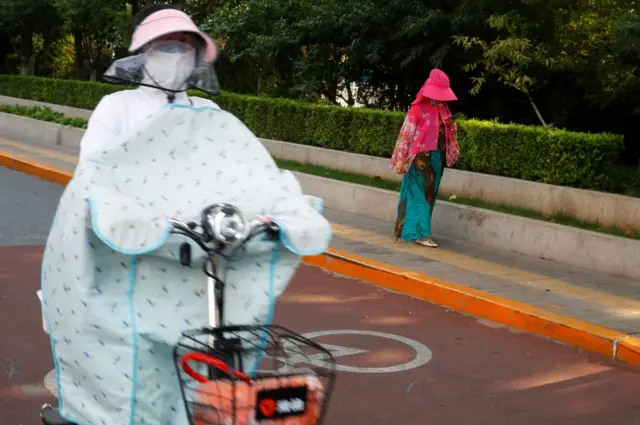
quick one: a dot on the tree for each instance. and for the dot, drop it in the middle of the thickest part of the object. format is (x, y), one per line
(533, 43)
(309, 49)
(261, 42)
(23, 21)
(517, 48)
(94, 26)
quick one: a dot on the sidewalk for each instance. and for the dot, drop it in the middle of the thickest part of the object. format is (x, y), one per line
(505, 283)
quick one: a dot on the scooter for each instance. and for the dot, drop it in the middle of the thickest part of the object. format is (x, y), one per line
(215, 383)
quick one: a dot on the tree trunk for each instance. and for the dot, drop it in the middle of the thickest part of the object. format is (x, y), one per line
(535, 109)
(135, 7)
(91, 67)
(27, 60)
(27, 65)
(259, 87)
(350, 100)
(77, 43)
(330, 90)
(31, 65)
(6, 47)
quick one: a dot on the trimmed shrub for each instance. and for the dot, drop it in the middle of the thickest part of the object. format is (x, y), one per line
(525, 152)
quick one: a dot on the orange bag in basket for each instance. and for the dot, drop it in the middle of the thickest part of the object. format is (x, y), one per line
(258, 403)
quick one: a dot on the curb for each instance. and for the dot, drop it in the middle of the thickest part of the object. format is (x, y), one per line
(594, 338)
(35, 168)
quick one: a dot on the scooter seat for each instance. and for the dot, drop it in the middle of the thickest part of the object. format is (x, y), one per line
(50, 416)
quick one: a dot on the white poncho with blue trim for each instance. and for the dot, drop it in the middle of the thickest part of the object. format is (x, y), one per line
(115, 296)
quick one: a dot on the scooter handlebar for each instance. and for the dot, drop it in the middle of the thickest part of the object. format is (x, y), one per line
(215, 231)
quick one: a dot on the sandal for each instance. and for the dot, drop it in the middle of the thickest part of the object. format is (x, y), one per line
(429, 243)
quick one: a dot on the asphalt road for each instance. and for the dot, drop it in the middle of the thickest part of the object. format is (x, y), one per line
(27, 206)
(429, 366)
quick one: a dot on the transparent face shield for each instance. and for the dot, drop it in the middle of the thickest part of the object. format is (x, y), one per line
(169, 65)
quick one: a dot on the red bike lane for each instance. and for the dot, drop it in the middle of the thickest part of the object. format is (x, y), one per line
(402, 360)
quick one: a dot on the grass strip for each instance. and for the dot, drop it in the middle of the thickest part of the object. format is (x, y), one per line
(43, 114)
(559, 218)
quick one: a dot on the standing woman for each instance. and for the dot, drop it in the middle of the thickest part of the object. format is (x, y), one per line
(427, 141)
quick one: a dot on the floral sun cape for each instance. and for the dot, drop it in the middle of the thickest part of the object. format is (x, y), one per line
(419, 133)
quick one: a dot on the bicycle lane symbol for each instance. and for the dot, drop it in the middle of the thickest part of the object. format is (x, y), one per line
(422, 354)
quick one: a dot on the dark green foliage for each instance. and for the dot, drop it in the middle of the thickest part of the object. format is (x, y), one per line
(525, 152)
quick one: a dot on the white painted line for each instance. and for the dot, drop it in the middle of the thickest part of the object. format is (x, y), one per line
(295, 357)
(50, 383)
(422, 357)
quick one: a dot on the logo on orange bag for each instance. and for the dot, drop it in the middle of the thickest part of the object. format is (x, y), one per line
(281, 403)
(268, 407)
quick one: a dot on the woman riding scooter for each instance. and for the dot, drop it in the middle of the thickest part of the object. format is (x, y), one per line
(115, 294)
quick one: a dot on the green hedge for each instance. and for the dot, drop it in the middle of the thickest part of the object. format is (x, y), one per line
(524, 152)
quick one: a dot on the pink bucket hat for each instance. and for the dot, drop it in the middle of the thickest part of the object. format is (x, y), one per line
(437, 87)
(167, 21)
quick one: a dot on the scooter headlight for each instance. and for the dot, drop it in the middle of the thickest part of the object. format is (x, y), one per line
(225, 224)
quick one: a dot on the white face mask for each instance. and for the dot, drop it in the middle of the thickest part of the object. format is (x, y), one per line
(169, 64)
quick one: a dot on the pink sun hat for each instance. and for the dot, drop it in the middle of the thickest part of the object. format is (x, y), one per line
(167, 21)
(438, 87)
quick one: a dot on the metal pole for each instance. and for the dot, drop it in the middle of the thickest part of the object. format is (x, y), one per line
(212, 307)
